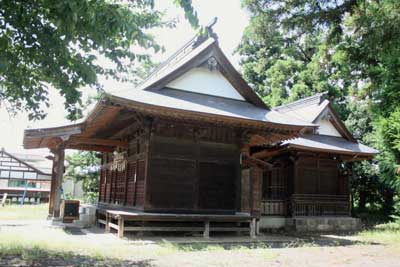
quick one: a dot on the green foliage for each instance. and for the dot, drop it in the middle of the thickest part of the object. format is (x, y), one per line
(61, 44)
(282, 66)
(190, 13)
(84, 166)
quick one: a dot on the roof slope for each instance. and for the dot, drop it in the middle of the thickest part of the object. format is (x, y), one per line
(311, 109)
(193, 54)
(330, 143)
(219, 106)
(153, 97)
(34, 162)
(307, 109)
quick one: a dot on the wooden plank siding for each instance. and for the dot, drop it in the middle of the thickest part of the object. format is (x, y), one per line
(305, 184)
(190, 175)
(176, 167)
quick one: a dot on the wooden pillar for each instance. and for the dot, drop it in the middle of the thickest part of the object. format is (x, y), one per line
(256, 175)
(52, 188)
(253, 228)
(149, 135)
(59, 169)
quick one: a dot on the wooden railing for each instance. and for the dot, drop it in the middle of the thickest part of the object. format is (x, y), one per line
(274, 207)
(320, 205)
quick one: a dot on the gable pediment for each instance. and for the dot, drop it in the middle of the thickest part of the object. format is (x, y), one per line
(330, 124)
(203, 80)
(203, 69)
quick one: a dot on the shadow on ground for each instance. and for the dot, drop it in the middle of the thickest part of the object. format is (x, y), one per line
(309, 241)
(23, 257)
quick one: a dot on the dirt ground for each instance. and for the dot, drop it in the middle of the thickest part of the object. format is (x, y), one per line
(36, 243)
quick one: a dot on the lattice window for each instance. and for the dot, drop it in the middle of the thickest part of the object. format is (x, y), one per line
(275, 184)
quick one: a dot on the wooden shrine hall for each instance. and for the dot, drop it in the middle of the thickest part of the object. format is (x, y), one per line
(189, 149)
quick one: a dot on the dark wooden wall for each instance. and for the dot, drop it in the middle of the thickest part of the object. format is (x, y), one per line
(317, 175)
(305, 183)
(125, 187)
(175, 167)
(192, 169)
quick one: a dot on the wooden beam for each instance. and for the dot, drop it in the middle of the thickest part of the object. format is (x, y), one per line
(97, 141)
(92, 148)
(258, 162)
(268, 152)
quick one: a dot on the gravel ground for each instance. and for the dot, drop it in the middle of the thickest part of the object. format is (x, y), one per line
(156, 251)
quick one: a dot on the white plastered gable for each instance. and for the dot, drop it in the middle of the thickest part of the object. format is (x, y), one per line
(203, 80)
(325, 125)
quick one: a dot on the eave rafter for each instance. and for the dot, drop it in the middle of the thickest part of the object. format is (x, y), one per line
(75, 140)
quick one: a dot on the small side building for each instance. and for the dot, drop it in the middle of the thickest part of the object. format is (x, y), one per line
(24, 177)
(306, 185)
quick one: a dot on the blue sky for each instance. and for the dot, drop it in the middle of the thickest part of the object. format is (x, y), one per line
(231, 23)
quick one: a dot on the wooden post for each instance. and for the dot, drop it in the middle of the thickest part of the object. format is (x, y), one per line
(107, 226)
(258, 227)
(52, 187)
(253, 228)
(206, 233)
(60, 154)
(121, 226)
(256, 175)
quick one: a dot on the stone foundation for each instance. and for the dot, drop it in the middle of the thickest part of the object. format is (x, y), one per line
(310, 224)
(275, 222)
(326, 224)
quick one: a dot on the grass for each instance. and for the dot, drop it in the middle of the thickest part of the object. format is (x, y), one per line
(30, 243)
(39, 241)
(36, 256)
(33, 244)
(25, 212)
(383, 235)
(386, 234)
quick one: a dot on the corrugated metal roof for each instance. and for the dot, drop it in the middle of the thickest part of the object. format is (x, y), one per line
(307, 109)
(178, 99)
(178, 59)
(333, 143)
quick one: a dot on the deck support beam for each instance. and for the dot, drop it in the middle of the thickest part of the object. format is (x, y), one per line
(107, 226)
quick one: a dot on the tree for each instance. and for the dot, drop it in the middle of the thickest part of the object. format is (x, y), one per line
(59, 43)
(282, 67)
(84, 166)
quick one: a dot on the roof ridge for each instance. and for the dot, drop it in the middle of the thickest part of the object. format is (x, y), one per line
(198, 39)
(319, 97)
